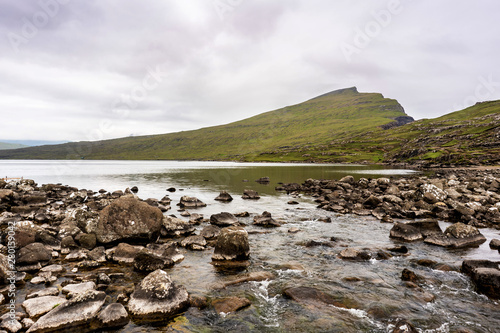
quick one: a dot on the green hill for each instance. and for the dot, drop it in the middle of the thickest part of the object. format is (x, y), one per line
(342, 126)
(5, 145)
(336, 115)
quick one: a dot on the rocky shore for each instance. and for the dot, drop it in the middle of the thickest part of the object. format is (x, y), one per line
(71, 242)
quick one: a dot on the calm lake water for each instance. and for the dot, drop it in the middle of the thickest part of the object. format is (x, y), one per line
(373, 289)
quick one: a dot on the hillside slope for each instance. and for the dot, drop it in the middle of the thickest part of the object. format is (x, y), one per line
(336, 115)
(6, 145)
(467, 137)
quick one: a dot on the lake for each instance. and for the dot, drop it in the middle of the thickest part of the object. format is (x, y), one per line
(373, 289)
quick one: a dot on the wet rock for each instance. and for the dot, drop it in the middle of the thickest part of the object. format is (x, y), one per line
(44, 292)
(74, 315)
(495, 244)
(175, 227)
(195, 218)
(263, 180)
(147, 260)
(427, 227)
(77, 255)
(405, 232)
(223, 219)
(123, 253)
(313, 296)
(404, 326)
(348, 179)
(408, 275)
(197, 243)
(36, 307)
(265, 220)
(12, 326)
(372, 202)
(253, 276)
(191, 202)
(128, 219)
(230, 304)
(458, 235)
(485, 275)
(68, 243)
(210, 232)
(157, 298)
(171, 189)
(224, 196)
(354, 254)
(98, 254)
(87, 241)
(113, 316)
(34, 253)
(232, 244)
(250, 194)
(71, 290)
(398, 249)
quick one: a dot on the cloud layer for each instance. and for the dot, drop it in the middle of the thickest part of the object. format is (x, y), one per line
(86, 70)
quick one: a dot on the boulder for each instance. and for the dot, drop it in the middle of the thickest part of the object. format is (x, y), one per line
(191, 202)
(74, 289)
(263, 180)
(405, 232)
(33, 254)
(113, 316)
(74, 315)
(265, 220)
(149, 261)
(230, 304)
(36, 307)
(372, 202)
(457, 235)
(485, 275)
(354, 254)
(224, 196)
(495, 244)
(348, 180)
(123, 253)
(157, 298)
(232, 244)
(223, 219)
(175, 227)
(197, 243)
(128, 218)
(210, 232)
(250, 194)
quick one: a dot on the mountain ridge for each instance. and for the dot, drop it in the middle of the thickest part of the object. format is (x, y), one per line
(339, 126)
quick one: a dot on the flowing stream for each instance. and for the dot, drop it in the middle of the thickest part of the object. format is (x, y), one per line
(370, 294)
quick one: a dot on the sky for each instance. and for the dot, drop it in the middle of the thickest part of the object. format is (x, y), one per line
(85, 70)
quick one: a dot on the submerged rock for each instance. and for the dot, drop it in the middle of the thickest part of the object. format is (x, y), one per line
(265, 220)
(224, 196)
(316, 297)
(191, 202)
(157, 298)
(230, 304)
(128, 218)
(223, 219)
(485, 275)
(250, 194)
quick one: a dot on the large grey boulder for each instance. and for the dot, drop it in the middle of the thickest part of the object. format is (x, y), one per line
(157, 298)
(223, 219)
(127, 218)
(74, 315)
(232, 244)
(485, 275)
(458, 235)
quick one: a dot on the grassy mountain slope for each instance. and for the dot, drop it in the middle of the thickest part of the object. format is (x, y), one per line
(336, 115)
(467, 137)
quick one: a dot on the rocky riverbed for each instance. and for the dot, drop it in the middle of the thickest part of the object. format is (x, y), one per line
(74, 259)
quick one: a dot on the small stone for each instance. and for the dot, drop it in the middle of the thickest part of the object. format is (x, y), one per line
(230, 304)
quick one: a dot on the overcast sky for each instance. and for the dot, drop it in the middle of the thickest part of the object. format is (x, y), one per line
(88, 69)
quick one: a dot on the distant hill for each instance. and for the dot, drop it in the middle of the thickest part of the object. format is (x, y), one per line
(343, 126)
(6, 145)
(336, 115)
